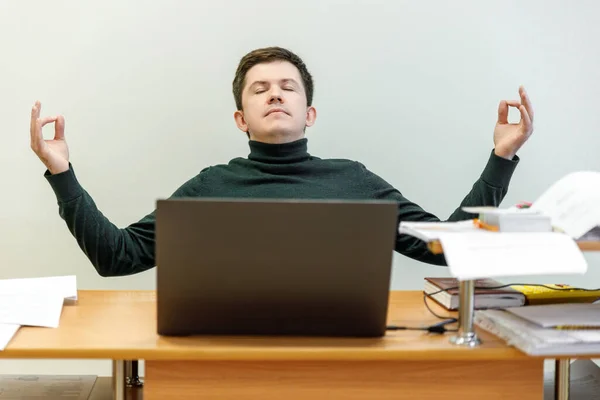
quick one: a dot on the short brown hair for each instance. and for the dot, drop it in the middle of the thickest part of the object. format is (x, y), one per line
(266, 55)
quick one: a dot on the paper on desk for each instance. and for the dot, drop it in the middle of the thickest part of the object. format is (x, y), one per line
(572, 203)
(41, 309)
(430, 231)
(66, 286)
(7, 331)
(473, 255)
(566, 314)
(584, 382)
(499, 211)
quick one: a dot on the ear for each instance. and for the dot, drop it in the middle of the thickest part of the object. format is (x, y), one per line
(311, 116)
(240, 121)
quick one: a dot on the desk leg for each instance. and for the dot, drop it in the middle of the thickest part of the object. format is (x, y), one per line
(466, 332)
(118, 379)
(132, 376)
(562, 377)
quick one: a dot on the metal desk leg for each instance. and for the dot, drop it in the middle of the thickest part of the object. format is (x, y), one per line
(132, 376)
(562, 377)
(118, 379)
(466, 309)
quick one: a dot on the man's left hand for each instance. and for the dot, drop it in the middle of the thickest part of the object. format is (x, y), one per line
(508, 138)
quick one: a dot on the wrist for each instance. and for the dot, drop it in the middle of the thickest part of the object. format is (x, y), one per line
(504, 153)
(58, 168)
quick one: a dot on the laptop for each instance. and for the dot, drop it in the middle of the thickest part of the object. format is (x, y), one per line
(273, 267)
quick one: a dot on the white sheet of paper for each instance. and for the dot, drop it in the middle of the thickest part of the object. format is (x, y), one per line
(41, 309)
(573, 203)
(564, 314)
(499, 211)
(7, 331)
(429, 231)
(65, 285)
(475, 255)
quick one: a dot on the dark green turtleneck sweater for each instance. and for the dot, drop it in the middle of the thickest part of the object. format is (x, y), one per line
(270, 171)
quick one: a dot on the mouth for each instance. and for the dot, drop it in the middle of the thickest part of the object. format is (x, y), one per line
(275, 111)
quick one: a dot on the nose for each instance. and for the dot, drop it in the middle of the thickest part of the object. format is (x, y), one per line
(275, 96)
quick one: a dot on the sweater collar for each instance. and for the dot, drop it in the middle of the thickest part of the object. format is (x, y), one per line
(280, 153)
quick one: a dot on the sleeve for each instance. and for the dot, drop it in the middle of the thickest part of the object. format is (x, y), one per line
(488, 190)
(112, 251)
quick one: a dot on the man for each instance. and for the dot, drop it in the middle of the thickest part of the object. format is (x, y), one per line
(273, 91)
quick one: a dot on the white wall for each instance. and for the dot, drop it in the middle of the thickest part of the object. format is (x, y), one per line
(409, 88)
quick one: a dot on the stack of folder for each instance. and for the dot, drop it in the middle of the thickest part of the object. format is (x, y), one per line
(547, 329)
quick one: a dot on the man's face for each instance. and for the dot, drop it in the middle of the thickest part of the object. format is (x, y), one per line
(274, 106)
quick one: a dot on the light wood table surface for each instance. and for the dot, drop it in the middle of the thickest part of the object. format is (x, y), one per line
(121, 325)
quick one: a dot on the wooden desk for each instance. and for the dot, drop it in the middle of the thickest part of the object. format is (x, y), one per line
(121, 325)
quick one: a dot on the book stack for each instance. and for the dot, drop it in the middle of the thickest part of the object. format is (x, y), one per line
(489, 293)
(493, 294)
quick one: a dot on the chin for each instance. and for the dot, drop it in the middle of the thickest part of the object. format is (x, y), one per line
(280, 134)
(279, 129)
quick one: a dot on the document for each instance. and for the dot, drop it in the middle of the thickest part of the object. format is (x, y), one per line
(36, 302)
(32, 309)
(66, 286)
(430, 231)
(536, 340)
(564, 315)
(473, 255)
(573, 203)
(7, 331)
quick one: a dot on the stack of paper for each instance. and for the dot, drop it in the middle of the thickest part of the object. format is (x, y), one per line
(554, 329)
(33, 302)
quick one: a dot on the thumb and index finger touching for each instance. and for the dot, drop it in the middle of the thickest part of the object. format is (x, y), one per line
(524, 106)
(37, 123)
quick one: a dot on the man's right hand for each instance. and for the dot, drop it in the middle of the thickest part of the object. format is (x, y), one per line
(53, 153)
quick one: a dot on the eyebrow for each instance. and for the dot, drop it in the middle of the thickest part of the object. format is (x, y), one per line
(286, 80)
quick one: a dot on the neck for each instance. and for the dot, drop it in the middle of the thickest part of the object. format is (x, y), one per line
(279, 153)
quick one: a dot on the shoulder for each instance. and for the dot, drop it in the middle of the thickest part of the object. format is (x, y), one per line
(195, 185)
(192, 186)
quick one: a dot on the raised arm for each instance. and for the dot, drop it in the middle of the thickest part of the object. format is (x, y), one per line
(488, 190)
(112, 251)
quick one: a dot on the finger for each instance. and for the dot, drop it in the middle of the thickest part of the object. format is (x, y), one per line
(37, 137)
(35, 114)
(35, 110)
(46, 120)
(513, 103)
(525, 119)
(503, 109)
(59, 128)
(503, 112)
(526, 102)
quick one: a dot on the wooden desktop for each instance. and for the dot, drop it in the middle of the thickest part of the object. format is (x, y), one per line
(121, 325)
